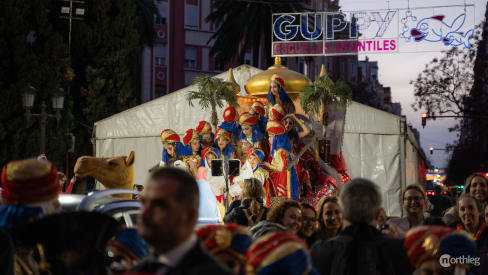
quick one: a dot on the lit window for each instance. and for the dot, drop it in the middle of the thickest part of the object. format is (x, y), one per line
(190, 58)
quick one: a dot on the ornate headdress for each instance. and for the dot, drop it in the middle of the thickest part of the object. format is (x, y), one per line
(275, 127)
(210, 150)
(277, 112)
(29, 181)
(258, 107)
(222, 133)
(204, 128)
(277, 79)
(190, 135)
(258, 153)
(230, 114)
(278, 251)
(247, 118)
(169, 136)
(231, 239)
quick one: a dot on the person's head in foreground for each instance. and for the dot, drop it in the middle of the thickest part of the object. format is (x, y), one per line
(287, 213)
(280, 253)
(169, 209)
(431, 250)
(361, 202)
(229, 243)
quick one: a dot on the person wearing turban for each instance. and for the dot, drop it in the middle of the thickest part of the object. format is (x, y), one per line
(251, 136)
(222, 141)
(192, 158)
(258, 110)
(205, 134)
(228, 243)
(285, 181)
(173, 149)
(277, 94)
(430, 247)
(217, 183)
(277, 112)
(230, 117)
(29, 192)
(281, 253)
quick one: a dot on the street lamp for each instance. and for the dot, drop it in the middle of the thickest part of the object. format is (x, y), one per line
(57, 99)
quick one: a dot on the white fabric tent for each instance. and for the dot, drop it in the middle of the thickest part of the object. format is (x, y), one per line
(379, 146)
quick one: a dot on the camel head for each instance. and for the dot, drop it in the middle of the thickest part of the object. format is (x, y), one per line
(112, 172)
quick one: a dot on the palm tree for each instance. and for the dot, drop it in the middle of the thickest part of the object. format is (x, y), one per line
(245, 25)
(317, 96)
(212, 93)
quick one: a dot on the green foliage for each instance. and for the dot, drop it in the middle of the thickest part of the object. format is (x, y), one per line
(212, 93)
(244, 26)
(323, 92)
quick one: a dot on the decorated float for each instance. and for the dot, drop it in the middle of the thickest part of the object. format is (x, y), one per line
(355, 140)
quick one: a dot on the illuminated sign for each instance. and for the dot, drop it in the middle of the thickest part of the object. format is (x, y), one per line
(356, 32)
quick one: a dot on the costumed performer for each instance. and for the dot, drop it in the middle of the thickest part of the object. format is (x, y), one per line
(277, 112)
(251, 136)
(173, 149)
(230, 116)
(192, 143)
(223, 143)
(277, 94)
(206, 136)
(285, 182)
(257, 109)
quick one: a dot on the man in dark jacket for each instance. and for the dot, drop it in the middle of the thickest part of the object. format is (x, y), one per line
(168, 217)
(360, 249)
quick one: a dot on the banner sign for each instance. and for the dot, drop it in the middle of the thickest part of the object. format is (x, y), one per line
(388, 31)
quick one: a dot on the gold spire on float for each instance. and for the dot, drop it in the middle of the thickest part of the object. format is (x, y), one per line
(231, 79)
(322, 71)
(258, 85)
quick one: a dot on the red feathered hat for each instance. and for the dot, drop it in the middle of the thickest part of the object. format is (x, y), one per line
(29, 181)
(190, 135)
(230, 114)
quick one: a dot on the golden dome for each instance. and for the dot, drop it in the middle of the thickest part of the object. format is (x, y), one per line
(258, 85)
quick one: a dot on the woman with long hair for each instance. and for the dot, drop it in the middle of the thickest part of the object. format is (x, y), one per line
(477, 186)
(250, 209)
(330, 218)
(287, 213)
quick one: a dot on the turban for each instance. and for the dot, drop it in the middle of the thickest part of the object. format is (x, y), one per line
(275, 127)
(210, 150)
(258, 153)
(204, 128)
(29, 181)
(277, 112)
(278, 253)
(258, 107)
(277, 79)
(169, 136)
(247, 118)
(222, 133)
(230, 114)
(190, 135)
(231, 239)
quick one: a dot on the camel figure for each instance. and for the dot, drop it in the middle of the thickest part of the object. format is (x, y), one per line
(111, 172)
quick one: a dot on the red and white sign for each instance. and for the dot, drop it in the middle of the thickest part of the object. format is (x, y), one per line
(160, 74)
(161, 34)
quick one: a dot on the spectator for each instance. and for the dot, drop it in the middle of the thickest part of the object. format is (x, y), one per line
(477, 186)
(330, 218)
(19, 207)
(414, 202)
(309, 221)
(250, 210)
(360, 248)
(426, 245)
(280, 253)
(439, 202)
(229, 243)
(62, 182)
(471, 219)
(287, 213)
(168, 217)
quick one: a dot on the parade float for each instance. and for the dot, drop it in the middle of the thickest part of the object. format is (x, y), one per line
(358, 141)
